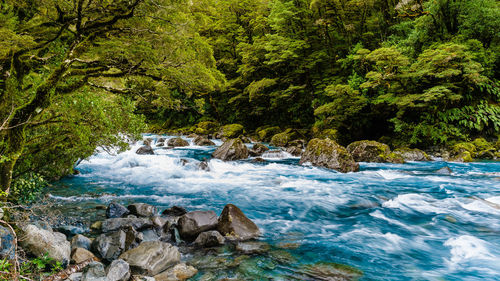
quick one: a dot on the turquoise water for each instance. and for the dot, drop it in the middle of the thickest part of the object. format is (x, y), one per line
(392, 221)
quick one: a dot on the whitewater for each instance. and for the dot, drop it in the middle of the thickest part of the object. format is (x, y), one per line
(392, 221)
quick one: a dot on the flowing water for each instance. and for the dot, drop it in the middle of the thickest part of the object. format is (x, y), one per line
(392, 221)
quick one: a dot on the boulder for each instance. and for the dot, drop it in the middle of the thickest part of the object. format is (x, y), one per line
(177, 142)
(161, 140)
(444, 171)
(328, 154)
(179, 272)
(203, 165)
(206, 128)
(233, 149)
(109, 246)
(146, 149)
(117, 223)
(7, 243)
(193, 223)
(147, 142)
(142, 210)
(230, 131)
(282, 139)
(160, 144)
(94, 271)
(372, 151)
(259, 160)
(115, 210)
(252, 247)
(174, 211)
(118, 270)
(294, 150)
(409, 154)
(79, 255)
(151, 257)
(266, 133)
(202, 141)
(235, 225)
(209, 239)
(39, 241)
(258, 149)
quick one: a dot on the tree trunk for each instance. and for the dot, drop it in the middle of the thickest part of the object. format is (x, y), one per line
(14, 139)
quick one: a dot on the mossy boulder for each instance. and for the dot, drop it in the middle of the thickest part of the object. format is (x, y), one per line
(324, 133)
(282, 139)
(233, 149)
(476, 149)
(329, 154)
(206, 128)
(412, 154)
(373, 151)
(266, 133)
(231, 131)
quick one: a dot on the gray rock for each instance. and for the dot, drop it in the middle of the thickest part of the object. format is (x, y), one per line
(328, 154)
(118, 270)
(117, 223)
(146, 149)
(38, 242)
(80, 241)
(151, 257)
(372, 151)
(193, 223)
(142, 210)
(7, 250)
(77, 276)
(444, 171)
(202, 141)
(234, 225)
(94, 271)
(177, 142)
(109, 246)
(174, 211)
(209, 239)
(116, 210)
(294, 150)
(233, 149)
(79, 255)
(412, 154)
(142, 278)
(179, 272)
(149, 235)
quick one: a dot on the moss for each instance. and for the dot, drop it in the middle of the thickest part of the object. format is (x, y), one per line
(266, 133)
(231, 131)
(282, 139)
(464, 146)
(482, 144)
(395, 158)
(206, 128)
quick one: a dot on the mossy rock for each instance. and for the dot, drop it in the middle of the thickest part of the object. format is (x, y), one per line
(331, 271)
(462, 152)
(177, 142)
(282, 139)
(233, 149)
(206, 128)
(231, 131)
(329, 154)
(412, 154)
(464, 156)
(266, 133)
(373, 151)
(482, 144)
(325, 133)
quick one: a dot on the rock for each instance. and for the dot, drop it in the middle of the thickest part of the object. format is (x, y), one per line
(161, 140)
(77, 276)
(209, 239)
(202, 141)
(109, 246)
(116, 210)
(117, 223)
(230, 131)
(282, 139)
(160, 144)
(372, 151)
(206, 128)
(142, 278)
(96, 226)
(118, 270)
(486, 155)
(252, 247)
(266, 133)
(79, 255)
(174, 211)
(258, 149)
(180, 271)
(150, 235)
(70, 230)
(444, 171)
(331, 271)
(259, 160)
(203, 165)
(177, 142)
(462, 152)
(147, 142)
(235, 225)
(39, 242)
(233, 149)
(142, 210)
(328, 154)
(414, 154)
(300, 143)
(151, 257)
(193, 223)
(94, 271)
(294, 150)
(7, 243)
(143, 150)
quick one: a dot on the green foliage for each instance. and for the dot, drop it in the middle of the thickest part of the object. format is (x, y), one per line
(27, 188)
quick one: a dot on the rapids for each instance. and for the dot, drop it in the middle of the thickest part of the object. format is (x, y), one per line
(392, 221)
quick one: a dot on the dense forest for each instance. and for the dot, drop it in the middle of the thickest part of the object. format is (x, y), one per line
(77, 74)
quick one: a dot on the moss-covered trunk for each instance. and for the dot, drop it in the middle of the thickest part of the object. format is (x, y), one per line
(14, 139)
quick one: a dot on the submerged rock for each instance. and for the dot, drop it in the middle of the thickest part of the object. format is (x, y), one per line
(177, 142)
(252, 247)
(179, 272)
(331, 271)
(209, 239)
(39, 241)
(444, 171)
(151, 257)
(142, 210)
(372, 151)
(203, 165)
(144, 150)
(328, 154)
(412, 154)
(203, 141)
(115, 210)
(234, 225)
(118, 270)
(193, 223)
(233, 149)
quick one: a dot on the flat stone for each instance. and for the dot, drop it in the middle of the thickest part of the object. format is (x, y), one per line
(151, 257)
(117, 223)
(193, 223)
(142, 210)
(252, 247)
